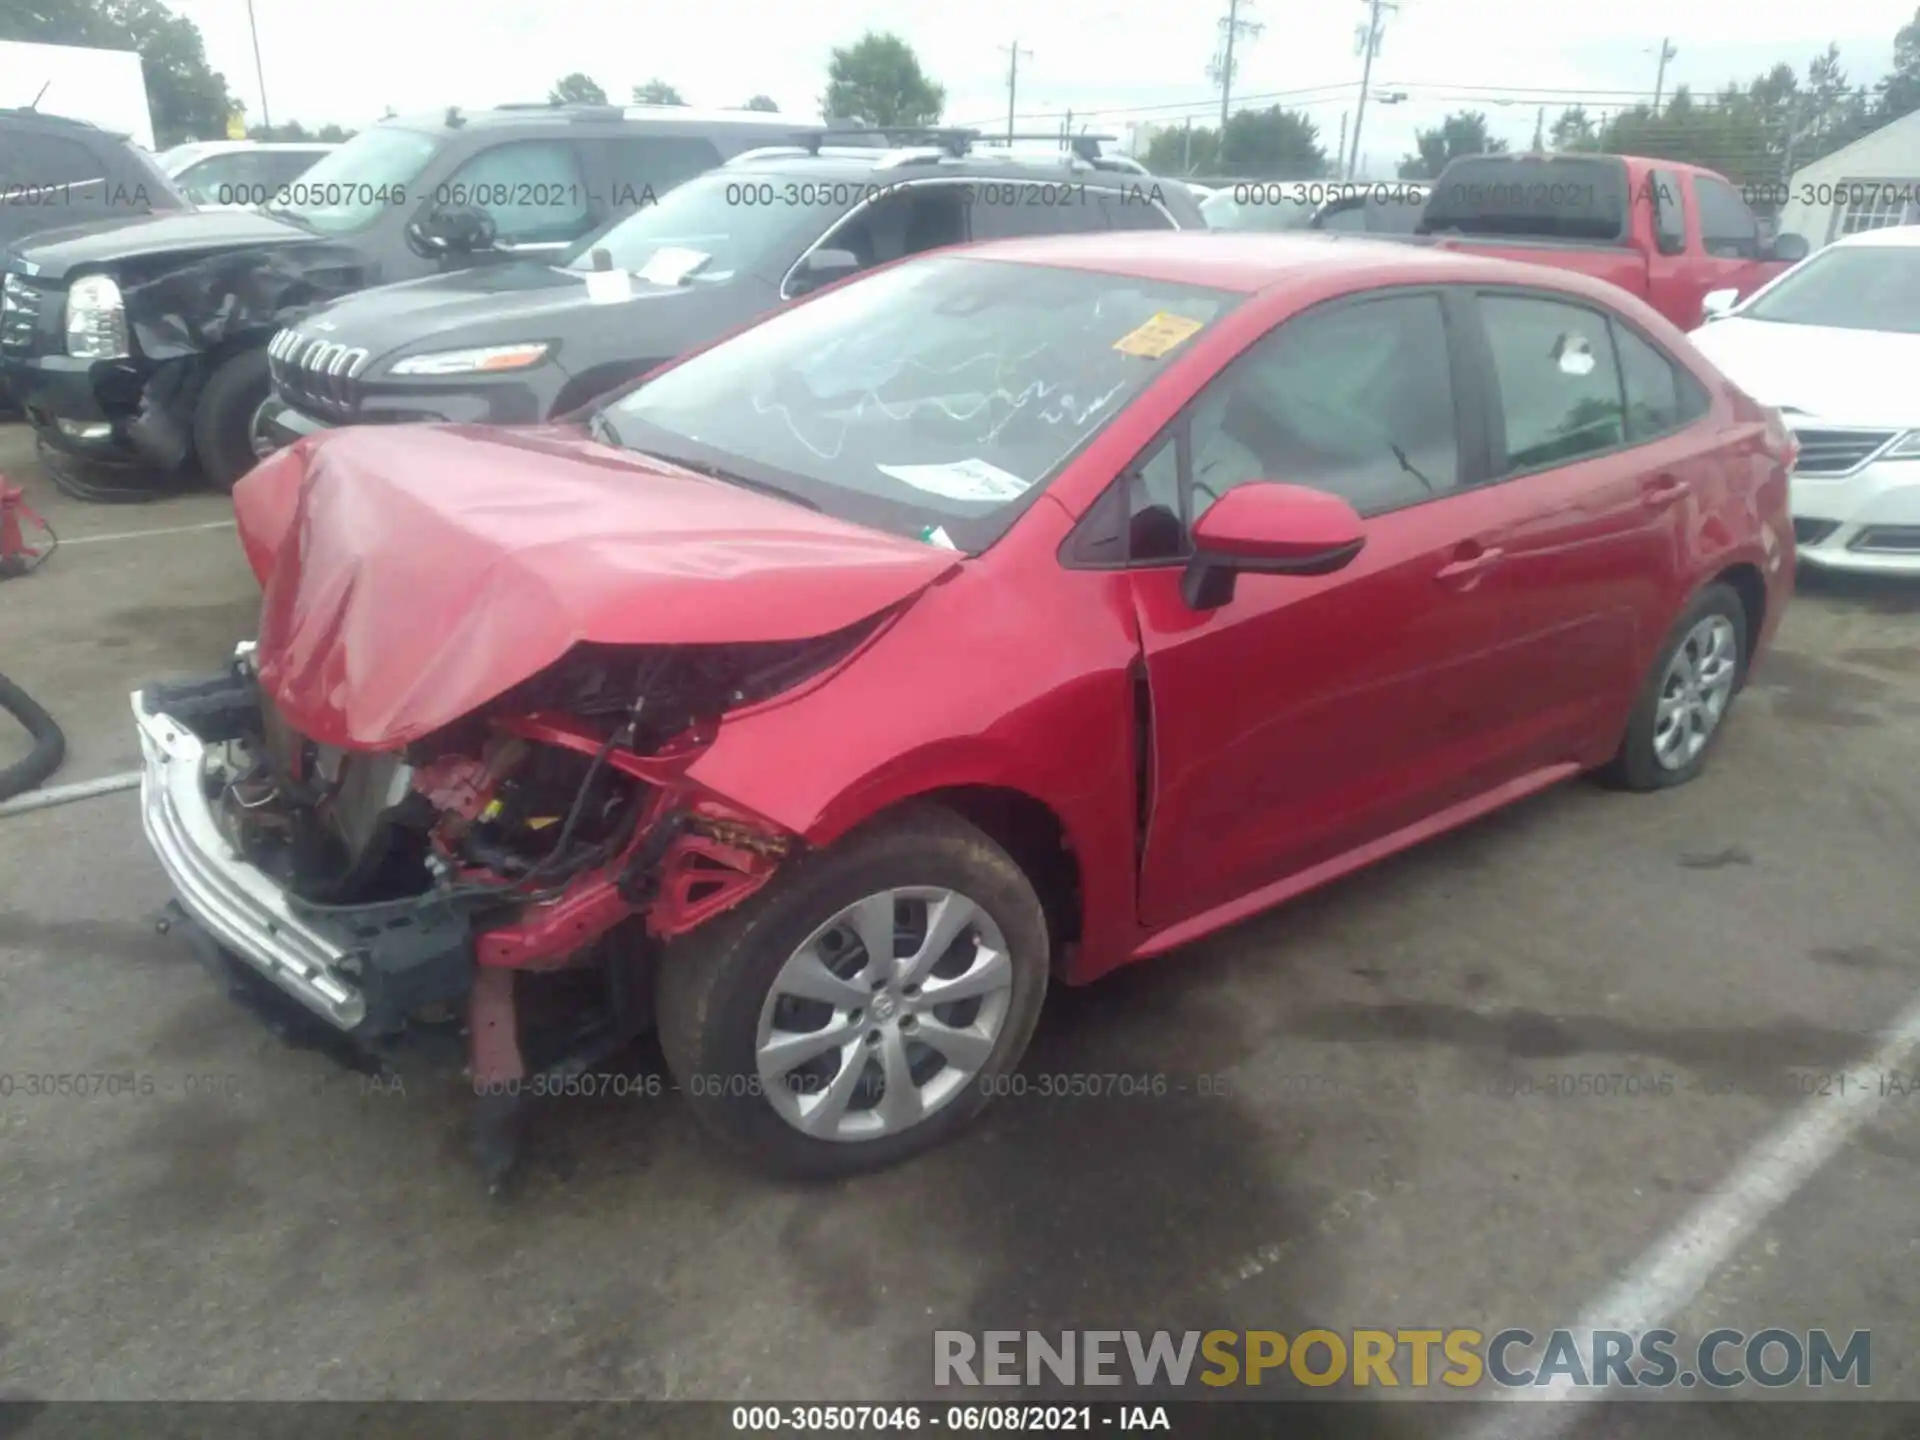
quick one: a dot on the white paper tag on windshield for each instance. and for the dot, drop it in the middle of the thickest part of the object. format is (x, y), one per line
(671, 264)
(609, 287)
(960, 480)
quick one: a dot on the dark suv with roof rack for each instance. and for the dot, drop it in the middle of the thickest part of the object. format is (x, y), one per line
(142, 337)
(525, 343)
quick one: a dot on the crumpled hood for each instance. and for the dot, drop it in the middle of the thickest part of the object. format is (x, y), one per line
(412, 573)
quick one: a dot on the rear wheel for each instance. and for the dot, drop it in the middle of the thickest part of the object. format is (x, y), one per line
(863, 1007)
(225, 419)
(1684, 704)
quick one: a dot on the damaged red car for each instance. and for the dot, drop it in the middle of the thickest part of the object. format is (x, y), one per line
(984, 623)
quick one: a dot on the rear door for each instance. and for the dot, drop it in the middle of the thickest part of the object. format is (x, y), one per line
(1311, 715)
(1590, 448)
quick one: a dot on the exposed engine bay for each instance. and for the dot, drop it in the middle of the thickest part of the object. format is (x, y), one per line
(492, 808)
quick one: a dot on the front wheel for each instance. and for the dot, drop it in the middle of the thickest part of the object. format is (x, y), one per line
(1684, 703)
(865, 1005)
(225, 417)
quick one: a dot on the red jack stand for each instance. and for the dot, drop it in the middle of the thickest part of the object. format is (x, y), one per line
(16, 556)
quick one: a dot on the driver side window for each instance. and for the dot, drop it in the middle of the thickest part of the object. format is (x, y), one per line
(532, 189)
(1355, 399)
(915, 218)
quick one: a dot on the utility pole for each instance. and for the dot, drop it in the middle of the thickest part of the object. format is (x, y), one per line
(1231, 28)
(1186, 148)
(1540, 130)
(266, 115)
(1013, 79)
(1340, 155)
(1369, 37)
(1667, 52)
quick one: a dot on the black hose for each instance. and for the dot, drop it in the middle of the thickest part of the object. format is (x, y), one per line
(49, 745)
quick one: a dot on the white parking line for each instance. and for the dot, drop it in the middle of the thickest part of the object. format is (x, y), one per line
(143, 534)
(1668, 1276)
(66, 794)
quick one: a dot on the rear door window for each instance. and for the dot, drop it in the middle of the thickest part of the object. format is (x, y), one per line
(1559, 386)
(638, 169)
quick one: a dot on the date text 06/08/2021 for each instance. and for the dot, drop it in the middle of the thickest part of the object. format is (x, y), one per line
(960, 1419)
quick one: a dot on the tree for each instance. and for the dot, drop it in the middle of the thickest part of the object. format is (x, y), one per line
(656, 92)
(188, 98)
(762, 102)
(1272, 144)
(293, 130)
(1573, 130)
(1182, 150)
(333, 134)
(1899, 92)
(878, 80)
(1462, 133)
(576, 89)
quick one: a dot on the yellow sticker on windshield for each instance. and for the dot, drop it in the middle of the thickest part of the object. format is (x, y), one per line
(1159, 335)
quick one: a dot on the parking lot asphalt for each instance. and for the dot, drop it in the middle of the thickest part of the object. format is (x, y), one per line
(1346, 1135)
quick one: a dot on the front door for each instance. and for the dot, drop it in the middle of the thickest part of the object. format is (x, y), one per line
(1309, 715)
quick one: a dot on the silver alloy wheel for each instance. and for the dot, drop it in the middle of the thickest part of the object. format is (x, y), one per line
(884, 1014)
(257, 438)
(1695, 692)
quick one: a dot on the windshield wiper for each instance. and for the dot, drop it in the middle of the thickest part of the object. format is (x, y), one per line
(602, 428)
(730, 477)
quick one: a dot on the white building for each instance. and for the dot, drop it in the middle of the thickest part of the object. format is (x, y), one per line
(1870, 184)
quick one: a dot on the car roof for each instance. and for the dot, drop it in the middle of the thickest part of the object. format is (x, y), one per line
(903, 163)
(672, 117)
(1888, 237)
(1249, 262)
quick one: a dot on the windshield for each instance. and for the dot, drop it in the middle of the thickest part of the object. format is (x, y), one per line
(731, 219)
(932, 399)
(354, 184)
(1863, 287)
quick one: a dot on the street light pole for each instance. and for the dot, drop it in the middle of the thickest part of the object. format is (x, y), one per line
(259, 73)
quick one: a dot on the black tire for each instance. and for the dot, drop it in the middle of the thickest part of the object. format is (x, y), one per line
(223, 418)
(1636, 766)
(714, 982)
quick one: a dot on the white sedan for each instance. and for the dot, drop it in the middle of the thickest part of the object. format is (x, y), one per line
(1834, 345)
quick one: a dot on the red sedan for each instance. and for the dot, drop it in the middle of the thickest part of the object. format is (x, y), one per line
(991, 621)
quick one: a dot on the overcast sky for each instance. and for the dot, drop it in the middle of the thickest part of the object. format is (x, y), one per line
(1110, 62)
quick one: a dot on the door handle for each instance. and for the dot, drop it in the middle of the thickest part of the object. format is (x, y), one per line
(1662, 491)
(1470, 559)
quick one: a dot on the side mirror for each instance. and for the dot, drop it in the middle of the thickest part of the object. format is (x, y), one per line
(451, 230)
(1268, 528)
(1716, 303)
(1789, 247)
(821, 268)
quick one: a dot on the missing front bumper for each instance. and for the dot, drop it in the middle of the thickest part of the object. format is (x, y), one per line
(364, 970)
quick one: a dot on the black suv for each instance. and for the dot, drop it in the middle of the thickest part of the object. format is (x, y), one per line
(56, 172)
(142, 338)
(524, 343)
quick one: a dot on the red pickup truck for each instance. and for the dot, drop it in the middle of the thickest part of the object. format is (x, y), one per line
(1668, 232)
